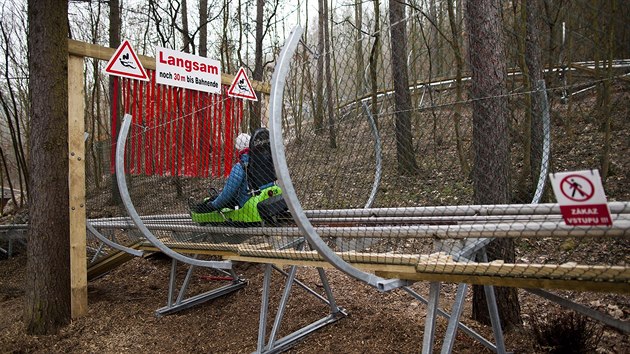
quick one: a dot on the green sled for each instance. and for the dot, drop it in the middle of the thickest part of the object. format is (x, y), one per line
(248, 214)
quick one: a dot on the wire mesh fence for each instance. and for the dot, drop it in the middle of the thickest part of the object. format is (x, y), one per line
(408, 143)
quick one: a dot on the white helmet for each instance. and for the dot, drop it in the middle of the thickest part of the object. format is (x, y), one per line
(242, 141)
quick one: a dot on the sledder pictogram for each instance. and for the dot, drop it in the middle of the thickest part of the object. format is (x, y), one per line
(241, 87)
(125, 63)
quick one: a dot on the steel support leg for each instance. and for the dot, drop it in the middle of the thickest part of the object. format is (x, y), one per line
(171, 283)
(182, 303)
(279, 345)
(282, 307)
(491, 299)
(331, 299)
(429, 324)
(494, 318)
(98, 252)
(264, 309)
(303, 286)
(451, 330)
(470, 332)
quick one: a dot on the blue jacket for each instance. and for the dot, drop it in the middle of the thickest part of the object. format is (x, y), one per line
(235, 191)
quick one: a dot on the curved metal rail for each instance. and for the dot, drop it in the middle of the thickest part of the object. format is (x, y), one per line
(282, 170)
(111, 243)
(133, 214)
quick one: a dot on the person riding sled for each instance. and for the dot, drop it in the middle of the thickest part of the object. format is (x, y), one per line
(250, 195)
(236, 191)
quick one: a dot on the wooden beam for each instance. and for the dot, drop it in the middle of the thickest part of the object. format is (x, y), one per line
(76, 179)
(104, 53)
(580, 285)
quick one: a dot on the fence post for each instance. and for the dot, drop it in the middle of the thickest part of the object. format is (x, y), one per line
(76, 178)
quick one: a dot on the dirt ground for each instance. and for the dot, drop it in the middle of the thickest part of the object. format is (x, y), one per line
(122, 304)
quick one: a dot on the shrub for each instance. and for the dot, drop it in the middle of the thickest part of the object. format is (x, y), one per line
(566, 332)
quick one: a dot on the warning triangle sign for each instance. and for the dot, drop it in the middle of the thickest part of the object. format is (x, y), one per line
(241, 87)
(125, 63)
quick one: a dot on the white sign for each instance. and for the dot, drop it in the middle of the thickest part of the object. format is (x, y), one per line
(241, 87)
(188, 71)
(581, 197)
(125, 63)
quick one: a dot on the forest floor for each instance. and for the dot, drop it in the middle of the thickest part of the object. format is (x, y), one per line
(122, 304)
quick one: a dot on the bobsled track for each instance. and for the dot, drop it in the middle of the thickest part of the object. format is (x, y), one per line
(382, 191)
(387, 247)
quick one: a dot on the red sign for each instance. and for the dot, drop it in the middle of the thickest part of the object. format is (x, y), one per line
(241, 87)
(586, 215)
(125, 63)
(581, 198)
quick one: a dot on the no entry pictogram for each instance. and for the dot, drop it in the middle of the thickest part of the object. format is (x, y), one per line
(577, 188)
(581, 197)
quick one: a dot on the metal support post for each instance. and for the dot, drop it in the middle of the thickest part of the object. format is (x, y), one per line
(451, 330)
(274, 345)
(182, 303)
(494, 311)
(331, 299)
(429, 324)
(184, 289)
(469, 331)
(282, 307)
(264, 309)
(171, 283)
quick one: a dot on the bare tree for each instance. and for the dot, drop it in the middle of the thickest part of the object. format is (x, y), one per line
(491, 168)
(376, 48)
(47, 306)
(225, 42)
(93, 102)
(318, 119)
(184, 31)
(402, 96)
(329, 88)
(114, 42)
(255, 119)
(604, 93)
(459, 69)
(11, 108)
(533, 58)
(358, 23)
(203, 28)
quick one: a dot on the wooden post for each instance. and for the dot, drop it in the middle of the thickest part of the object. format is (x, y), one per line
(76, 176)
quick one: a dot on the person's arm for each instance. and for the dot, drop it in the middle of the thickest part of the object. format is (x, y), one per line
(228, 198)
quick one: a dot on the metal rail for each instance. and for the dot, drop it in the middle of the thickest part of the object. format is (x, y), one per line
(621, 228)
(133, 214)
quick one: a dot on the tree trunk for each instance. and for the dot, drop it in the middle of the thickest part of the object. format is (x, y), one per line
(185, 32)
(47, 305)
(318, 119)
(376, 48)
(402, 97)
(358, 23)
(459, 69)
(203, 28)
(533, 58)
(606, 116)
(329, 89)
(490, 139)
(225, 43)
(114, 42)
(255, 119)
